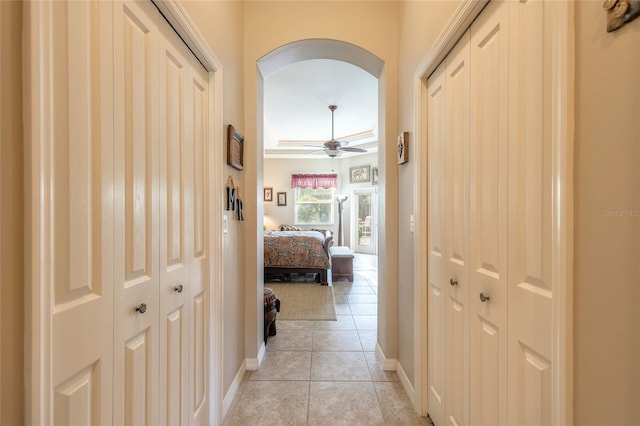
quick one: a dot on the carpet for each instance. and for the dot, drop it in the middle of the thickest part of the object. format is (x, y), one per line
(302, 301)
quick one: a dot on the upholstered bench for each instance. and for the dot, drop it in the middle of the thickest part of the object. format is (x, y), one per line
(341, 263)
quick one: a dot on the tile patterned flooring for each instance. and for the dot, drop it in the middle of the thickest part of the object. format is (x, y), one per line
(326, 372)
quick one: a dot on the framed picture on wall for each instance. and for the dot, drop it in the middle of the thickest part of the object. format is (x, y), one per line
(374, 176)
(359, 174)
(403, 147)
(282, 198)
(235, 148)
(268, 193)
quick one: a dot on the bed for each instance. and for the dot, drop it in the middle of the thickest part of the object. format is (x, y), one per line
(297, 252)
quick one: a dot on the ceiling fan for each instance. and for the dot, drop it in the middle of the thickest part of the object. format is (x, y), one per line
(334, 148)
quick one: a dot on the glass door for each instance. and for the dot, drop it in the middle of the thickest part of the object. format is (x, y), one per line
(365, 224)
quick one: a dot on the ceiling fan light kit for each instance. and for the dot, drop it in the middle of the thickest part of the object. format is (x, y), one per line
(334, 148)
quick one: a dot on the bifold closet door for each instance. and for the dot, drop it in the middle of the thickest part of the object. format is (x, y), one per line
(436, 240)
(488, 215)
(79, 196)
(183, 101)
(530, 213)
(137, 132)
(456, 258)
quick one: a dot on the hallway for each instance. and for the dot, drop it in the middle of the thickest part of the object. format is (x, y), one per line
(326, 372)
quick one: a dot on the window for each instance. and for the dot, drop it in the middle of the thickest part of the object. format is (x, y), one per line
(314, 206)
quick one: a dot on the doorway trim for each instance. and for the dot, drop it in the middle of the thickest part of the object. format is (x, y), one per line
(562, 82)
(324, 48)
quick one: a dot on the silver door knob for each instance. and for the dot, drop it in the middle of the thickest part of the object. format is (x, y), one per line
(178, 288)
(484, 297)
(142, 308)
(453, 281)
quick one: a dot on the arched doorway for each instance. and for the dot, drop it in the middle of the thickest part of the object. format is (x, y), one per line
(352, 54)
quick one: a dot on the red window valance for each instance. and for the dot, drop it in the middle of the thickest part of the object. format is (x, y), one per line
(314, 181)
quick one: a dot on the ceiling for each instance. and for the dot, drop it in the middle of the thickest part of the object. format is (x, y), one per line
(297, 119)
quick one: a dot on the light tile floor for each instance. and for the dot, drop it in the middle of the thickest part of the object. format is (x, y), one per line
(326, 372)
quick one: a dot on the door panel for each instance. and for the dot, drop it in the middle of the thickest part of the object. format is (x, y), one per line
(488, 222)
(137, 403)
(82, 214)
(436, 107)
(198, 254)
(175, 194)
(137, 222)
(530, 229)
(365, 220)
(199, 360)
(457, 234)
(174, 367)
(183, 254)
(74, 401)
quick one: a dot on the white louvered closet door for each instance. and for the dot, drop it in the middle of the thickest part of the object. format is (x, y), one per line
(437, 131)
(488, 220)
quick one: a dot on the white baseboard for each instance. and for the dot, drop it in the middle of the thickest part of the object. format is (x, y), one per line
(388, 364)
(233, 389)
(406, 384)
(254, 363)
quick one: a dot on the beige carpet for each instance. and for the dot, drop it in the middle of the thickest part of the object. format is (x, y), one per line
(302, 301)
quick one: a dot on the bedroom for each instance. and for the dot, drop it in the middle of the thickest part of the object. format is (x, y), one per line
(308, 104)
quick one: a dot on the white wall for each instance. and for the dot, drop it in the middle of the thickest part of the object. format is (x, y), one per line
(277, 174)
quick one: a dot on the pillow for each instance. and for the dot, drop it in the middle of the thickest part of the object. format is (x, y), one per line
(290, 228)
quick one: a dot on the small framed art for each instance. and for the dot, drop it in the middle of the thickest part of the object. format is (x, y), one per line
(268, 193)
(359, 174)
(282, 198)
(403, 147)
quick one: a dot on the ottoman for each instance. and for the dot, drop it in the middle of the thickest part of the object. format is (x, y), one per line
(341, 263)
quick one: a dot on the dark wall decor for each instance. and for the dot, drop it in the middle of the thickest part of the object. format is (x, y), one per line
(239, 205)
(231, 194)
(403, 147)
(233, 198)
(235, 148)
(619, 12)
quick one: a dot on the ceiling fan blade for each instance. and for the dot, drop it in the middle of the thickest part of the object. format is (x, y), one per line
(351, 149)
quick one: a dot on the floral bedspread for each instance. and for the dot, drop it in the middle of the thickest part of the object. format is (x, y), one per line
(295, 249)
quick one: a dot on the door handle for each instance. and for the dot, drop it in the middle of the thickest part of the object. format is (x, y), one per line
(178, 288)
(484, 297)
(141, 308)
(453, 281)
